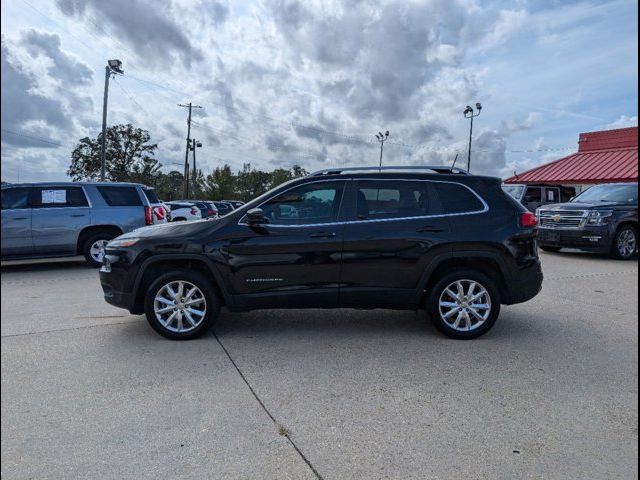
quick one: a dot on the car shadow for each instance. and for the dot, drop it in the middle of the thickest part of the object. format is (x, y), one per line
(44, 265)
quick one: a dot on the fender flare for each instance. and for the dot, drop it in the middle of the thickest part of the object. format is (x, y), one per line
(181, 256)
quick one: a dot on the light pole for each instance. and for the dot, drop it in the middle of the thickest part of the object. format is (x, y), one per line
(194, 174)
(113, 67)
(469, 113)
(382, 138)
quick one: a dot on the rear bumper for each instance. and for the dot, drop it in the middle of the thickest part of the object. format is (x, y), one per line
(526, 285)
(593, 239)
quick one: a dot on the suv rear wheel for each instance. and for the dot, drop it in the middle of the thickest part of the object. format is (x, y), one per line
(181, 305)
(625, 243)
(93, 248)
(464, 304)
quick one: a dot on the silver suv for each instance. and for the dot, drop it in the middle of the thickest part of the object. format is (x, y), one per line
(64, 219)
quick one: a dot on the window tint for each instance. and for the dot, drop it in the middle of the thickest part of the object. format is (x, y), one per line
(120, 196)
(533, 195)
(150, 193)
(394, 199)
(56, 197)
(313, 203)
(456, 198)
(14, 198)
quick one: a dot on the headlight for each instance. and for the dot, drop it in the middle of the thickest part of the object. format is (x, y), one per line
(599, 217)
(122, 242)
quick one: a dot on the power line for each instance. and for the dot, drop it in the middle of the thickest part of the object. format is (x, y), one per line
(33, 137)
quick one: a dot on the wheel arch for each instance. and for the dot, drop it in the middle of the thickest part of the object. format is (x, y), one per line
(89, 230)
(155, 265)
(488, 263)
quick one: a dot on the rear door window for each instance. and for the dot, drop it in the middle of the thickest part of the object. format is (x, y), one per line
(150, 193)
(120, 196)
(383, 199)
(57, 197)
(455, 198)
(15, 198)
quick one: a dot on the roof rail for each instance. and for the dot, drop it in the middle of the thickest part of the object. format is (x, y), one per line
(434, 168)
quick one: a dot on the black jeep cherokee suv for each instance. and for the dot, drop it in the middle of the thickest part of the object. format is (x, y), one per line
(602, 219)
(399, 238)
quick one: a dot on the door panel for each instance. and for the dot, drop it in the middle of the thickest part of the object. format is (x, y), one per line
(295, 259)
(58, 218)
(16, 222)
(388, 248)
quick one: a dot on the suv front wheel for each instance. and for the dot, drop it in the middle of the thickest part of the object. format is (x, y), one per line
(181, 305)
(464, 304)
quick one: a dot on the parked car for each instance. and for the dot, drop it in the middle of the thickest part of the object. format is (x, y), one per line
(234, 203)
(66, 219)
(602, 219)
(434, 238)
(182, 211)
(207, 209)
(535, 196)
(224, 208)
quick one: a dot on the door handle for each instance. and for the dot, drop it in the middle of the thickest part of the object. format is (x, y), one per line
(322, 235)
(20, 218)
(430, 229)
(79, 215)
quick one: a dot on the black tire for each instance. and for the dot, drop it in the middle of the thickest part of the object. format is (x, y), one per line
(550, 249)
(212, 304)
(94, 238)
(433, 306)
(616, 250)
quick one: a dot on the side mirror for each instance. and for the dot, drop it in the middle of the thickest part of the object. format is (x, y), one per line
(256, 217)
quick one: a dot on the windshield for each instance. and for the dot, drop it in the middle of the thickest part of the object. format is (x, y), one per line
(609, 193)
(514, 190)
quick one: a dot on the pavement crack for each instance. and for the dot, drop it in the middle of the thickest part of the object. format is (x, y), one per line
(24, 334)
(281, 429)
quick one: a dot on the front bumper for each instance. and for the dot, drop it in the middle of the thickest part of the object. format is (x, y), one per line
(594, 239)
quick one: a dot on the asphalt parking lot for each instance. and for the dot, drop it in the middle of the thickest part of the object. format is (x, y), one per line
(89, 391)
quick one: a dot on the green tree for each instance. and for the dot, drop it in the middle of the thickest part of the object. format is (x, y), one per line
(169, 186)
(251, 182)
(129, 154)
(221, 184)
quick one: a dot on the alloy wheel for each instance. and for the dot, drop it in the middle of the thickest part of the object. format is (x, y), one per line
(180, 306)
(465, 305)
(97, 250)
(627, 243)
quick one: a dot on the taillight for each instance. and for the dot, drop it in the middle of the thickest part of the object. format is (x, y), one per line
(210, 212)
(148, 216)
(528, 220)
(194, 211)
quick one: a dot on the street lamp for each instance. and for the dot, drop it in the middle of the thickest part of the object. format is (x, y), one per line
(382, 138)
(113, 67)
(469, 113)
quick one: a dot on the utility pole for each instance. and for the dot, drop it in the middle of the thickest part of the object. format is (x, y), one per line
(468, 113)
(382, 138)
(194, 174)
(113, 67)
(190, 106)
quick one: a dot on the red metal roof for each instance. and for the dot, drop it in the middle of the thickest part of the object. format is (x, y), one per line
(607, 156)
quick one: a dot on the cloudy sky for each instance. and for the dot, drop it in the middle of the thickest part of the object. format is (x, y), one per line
(310, 83)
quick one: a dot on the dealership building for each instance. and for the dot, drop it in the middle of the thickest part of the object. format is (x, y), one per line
(603, 157)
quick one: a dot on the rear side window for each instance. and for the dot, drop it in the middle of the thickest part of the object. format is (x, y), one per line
(120, 196)
(56, 197)
(150, 193)
(14, 198)
(456, 198)
(380, 199)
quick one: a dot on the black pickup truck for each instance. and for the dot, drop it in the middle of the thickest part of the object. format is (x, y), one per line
(602, 219)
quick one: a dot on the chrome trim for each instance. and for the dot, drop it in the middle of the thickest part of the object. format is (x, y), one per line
(348, 222)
